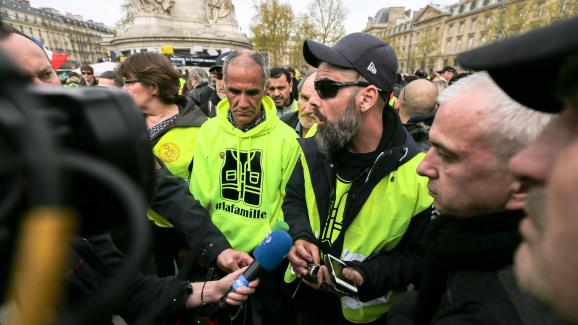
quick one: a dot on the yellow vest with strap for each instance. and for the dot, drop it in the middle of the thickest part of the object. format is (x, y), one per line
(175, 148)
(379, 225)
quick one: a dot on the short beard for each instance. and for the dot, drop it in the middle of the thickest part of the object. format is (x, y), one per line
(333, 136)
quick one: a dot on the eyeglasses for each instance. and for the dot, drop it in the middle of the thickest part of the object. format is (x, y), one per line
(86, 72)
(328, 88)
(129, 82)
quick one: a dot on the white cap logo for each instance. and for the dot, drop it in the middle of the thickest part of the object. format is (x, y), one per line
(372, 68)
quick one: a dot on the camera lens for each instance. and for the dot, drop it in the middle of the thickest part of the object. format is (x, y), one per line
(312, 270)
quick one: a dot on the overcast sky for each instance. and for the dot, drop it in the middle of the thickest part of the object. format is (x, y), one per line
(108, 11)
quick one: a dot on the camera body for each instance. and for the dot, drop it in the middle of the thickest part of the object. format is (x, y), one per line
(99, 124)
(312, 270)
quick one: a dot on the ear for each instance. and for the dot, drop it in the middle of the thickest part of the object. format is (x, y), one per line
(369, 97)
(155, 89)
(518, 196)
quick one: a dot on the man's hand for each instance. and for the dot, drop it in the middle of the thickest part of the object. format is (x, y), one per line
(353, 275)
(302, 253)
(231, 260)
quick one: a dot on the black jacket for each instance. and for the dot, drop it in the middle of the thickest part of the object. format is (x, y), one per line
(291, 119)
(174, 201)
(468, 276)
(189, 116)
(384, 271)
(202, 96)
(95, 258)
(418, 126)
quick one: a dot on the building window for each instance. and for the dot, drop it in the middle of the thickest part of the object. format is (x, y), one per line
(474, 25)
(488, 20)
(563, 6)
(459, 45)
(541, 10)
(484, 40)
(473, 5)
(451, 30)
(470, 42)
(486, 2)
(461, 9)
(462, 26)
(449, 46)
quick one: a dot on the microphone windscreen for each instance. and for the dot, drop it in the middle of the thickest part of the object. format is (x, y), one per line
(273, 249)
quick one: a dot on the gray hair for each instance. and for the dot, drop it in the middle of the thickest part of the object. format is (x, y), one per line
(507, 125)
(201, 77)
(259, 59)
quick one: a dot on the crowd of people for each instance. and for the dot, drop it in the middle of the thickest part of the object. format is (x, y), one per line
(448, 196)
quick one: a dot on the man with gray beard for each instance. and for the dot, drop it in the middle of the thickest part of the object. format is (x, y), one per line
(355, 193)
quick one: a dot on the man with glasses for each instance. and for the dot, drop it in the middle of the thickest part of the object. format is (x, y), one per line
(355, 194)
(88, 79)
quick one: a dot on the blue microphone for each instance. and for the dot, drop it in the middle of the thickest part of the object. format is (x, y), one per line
(268, 255)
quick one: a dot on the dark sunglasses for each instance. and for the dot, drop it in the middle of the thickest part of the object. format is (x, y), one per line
(328, 88)
(129, 82)
(86, 72)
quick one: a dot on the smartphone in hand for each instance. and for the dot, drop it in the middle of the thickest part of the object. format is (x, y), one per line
(336, 266)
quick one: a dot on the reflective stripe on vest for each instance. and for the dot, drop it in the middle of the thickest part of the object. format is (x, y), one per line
(402, 198)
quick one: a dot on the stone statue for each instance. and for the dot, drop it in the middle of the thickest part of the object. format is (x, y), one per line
(220, 11)
(162, 7)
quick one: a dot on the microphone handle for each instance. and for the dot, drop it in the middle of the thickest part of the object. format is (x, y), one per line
(243, 280)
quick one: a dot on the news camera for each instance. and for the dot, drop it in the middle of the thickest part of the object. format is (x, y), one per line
(82, 152)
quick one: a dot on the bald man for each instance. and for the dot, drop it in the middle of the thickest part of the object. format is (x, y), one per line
(417, 97)
(417, 101)
(29, 57)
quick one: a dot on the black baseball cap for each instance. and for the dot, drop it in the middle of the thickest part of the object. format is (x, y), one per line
(219, 62)
(371, 57)
(447, 68)
(526, 66)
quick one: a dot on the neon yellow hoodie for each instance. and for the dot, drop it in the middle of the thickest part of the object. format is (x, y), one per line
(241, 176)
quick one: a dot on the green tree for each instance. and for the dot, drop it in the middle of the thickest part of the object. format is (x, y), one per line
(327, 17)
(272, 29)
(304, 29)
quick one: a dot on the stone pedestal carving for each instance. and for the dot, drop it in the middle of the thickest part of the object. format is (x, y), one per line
(150, 24)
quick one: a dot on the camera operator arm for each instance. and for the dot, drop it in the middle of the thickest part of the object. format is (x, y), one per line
(173, 200)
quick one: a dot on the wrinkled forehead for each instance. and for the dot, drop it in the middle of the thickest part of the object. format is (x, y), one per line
(328, 71)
